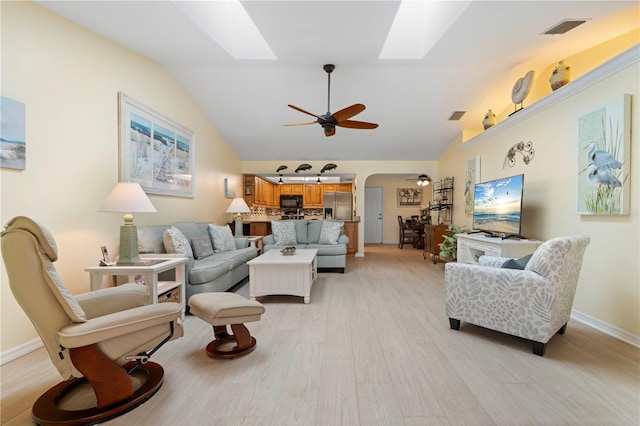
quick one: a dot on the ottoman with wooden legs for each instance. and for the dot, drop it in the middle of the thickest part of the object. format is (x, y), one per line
(222, 309)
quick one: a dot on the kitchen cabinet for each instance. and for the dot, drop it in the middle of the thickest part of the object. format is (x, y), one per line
(249, 190)
(343, 187)
(259, 192)
(276, 196)
(291, 189)
(330, 187)
(312, 196)
(351, 231)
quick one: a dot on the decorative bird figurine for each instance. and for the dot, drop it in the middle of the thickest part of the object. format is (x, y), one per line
(602, 176)
(601, 159)
(303, 167)
(283, 167)
(327, 167)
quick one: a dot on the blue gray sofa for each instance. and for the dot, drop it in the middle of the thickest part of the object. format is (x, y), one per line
(217, 272)
(330, 257)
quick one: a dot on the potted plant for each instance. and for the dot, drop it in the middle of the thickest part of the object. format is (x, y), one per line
(449, 247)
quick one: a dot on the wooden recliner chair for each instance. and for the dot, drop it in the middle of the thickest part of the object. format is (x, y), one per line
(103, 338)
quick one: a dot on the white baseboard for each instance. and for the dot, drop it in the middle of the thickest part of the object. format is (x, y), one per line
(15, 353)
(606, 328)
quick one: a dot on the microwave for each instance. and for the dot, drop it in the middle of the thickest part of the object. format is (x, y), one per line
(291, 201)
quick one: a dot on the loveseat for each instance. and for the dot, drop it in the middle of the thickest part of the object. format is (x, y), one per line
(327, 236)
(216, 266)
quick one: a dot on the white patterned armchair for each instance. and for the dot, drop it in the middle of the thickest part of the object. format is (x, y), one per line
(534, 303)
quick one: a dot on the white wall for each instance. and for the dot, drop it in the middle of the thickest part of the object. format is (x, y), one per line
(69, 79)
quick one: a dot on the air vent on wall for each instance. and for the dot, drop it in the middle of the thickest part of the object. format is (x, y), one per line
(564, 26)
(457, 115)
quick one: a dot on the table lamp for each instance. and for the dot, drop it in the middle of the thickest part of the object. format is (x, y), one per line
(238, 206)
(128, 197)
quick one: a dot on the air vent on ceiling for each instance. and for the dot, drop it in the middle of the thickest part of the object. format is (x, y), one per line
(564, 26)
(457, 115)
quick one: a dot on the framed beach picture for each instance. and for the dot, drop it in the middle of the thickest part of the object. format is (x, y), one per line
(155, 151)
(13, 141)
(471, 176)
(604, 138)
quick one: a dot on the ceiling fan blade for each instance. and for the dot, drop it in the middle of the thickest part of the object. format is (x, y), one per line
(301, 124)
(348, 112)
(352, 124)
(329, 131)
(303, 111)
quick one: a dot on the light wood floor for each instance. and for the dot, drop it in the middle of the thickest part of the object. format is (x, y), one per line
(373, 347)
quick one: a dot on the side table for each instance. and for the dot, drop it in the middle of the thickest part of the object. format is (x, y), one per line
(256, 242)
(149, 271)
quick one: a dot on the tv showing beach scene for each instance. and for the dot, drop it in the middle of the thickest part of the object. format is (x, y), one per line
(498, 206)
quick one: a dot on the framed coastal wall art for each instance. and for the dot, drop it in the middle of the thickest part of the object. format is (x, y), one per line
(604, 139)
(13, 141)
(471, 176)
(155, 151)
(409, 197)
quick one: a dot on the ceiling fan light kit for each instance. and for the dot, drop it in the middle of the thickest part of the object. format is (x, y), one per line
(340, 118)
(422, 180)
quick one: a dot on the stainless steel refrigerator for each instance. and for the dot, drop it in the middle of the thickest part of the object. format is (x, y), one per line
(338, 205)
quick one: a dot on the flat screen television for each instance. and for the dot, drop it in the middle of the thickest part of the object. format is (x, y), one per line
(497, 206)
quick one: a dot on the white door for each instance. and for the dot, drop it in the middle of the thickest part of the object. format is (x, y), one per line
(373, 201)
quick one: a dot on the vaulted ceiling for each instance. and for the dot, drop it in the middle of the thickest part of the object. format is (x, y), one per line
(480, 49)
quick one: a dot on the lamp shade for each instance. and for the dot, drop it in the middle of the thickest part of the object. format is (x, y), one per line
(127, 197)
(238, 205)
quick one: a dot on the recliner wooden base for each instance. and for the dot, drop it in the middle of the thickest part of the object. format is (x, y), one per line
(244, 342)
(50, 408)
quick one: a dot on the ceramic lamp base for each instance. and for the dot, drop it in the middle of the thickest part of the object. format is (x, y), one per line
(238, 225)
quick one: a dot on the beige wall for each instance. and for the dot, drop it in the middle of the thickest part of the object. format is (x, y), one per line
(609, 288)
(69, 80)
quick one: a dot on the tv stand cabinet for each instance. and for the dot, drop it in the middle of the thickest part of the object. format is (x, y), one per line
(472, 246)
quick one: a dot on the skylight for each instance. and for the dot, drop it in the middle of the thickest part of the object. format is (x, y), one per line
(229, 24)
(417, 27)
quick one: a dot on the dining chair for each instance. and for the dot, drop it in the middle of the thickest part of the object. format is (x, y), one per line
(406, 234)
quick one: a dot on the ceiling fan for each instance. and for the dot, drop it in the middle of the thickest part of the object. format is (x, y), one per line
(422, 180)
(340, 118)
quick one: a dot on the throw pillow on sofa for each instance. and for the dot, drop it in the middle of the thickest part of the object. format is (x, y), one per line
(175, 242)
(222, 238)
(330, 232)
(201, 247)
(284, 232)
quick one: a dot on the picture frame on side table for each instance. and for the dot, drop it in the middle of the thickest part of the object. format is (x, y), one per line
(155, 151)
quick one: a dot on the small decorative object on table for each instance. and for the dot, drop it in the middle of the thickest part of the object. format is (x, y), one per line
(288, 251)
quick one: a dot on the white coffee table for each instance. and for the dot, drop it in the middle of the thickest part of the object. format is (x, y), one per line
(274, 273)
